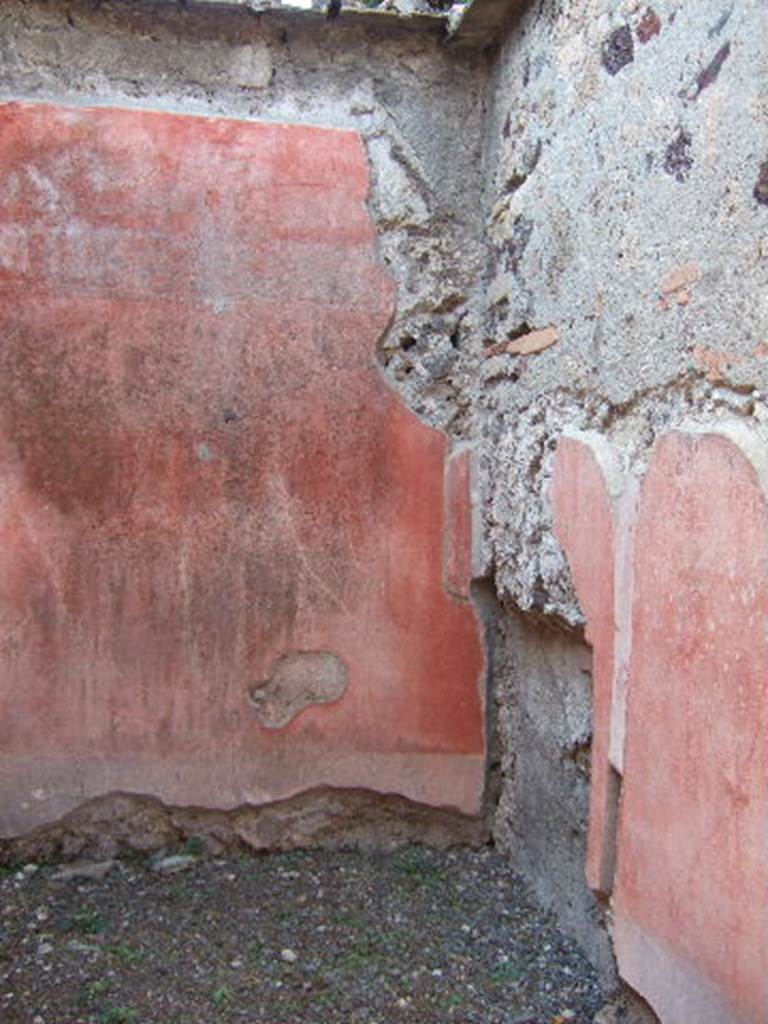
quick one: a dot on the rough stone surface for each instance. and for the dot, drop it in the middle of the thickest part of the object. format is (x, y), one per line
(206, 483)
(298, 680)
(543, 718)
(587, 226)
(327, 818)
(173, 864)
(626, 1008)
(421, 9)
(88, 871)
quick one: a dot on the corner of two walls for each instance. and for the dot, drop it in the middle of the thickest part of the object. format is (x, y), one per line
(616, 286)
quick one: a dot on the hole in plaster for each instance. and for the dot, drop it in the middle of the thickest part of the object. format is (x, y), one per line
(298, 680)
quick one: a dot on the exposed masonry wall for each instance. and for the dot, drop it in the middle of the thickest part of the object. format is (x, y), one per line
(627, 144)
(543, 699)
(124, 823)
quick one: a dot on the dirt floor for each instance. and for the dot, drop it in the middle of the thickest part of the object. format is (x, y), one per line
(295, 938)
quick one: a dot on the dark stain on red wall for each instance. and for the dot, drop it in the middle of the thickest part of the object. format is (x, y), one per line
(203, 469)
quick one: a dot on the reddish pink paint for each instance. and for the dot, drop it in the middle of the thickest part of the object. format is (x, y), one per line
(691, 926)
(584, 525)
(202, 469)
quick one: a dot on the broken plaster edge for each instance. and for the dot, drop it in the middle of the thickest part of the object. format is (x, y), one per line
(423, 18)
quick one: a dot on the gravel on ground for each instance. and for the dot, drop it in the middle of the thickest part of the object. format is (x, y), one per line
(414, 936)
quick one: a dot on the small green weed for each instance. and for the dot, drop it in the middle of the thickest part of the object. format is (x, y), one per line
(455, 1000)
(504, 974)
(363, 954)
(255, 949)
(194, 846)
(221, 995)
(126, 954)
(89, 922)
(415, 866)
(98, 987)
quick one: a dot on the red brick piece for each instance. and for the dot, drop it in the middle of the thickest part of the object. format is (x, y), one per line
(649, 26)
(210, 501)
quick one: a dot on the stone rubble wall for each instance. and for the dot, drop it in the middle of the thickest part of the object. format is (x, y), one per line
(626, 146)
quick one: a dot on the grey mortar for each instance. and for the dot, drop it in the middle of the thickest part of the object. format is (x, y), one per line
(577, 154)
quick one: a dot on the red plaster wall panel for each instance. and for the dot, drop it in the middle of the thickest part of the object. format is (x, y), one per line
(584, 524)
(203, 478)
(691, 917)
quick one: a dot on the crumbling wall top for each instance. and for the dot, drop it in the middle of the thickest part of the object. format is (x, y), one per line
(474, 24)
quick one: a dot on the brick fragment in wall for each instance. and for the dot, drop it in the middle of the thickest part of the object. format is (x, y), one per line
(526, 344)
(677, 285)
(681, 277)
(715, 362)
(649, 26)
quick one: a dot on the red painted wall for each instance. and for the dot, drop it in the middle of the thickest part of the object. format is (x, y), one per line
(689, 906)
(692, 920)
(202, 471)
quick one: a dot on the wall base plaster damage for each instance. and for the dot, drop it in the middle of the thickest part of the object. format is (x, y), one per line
(576, 222)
